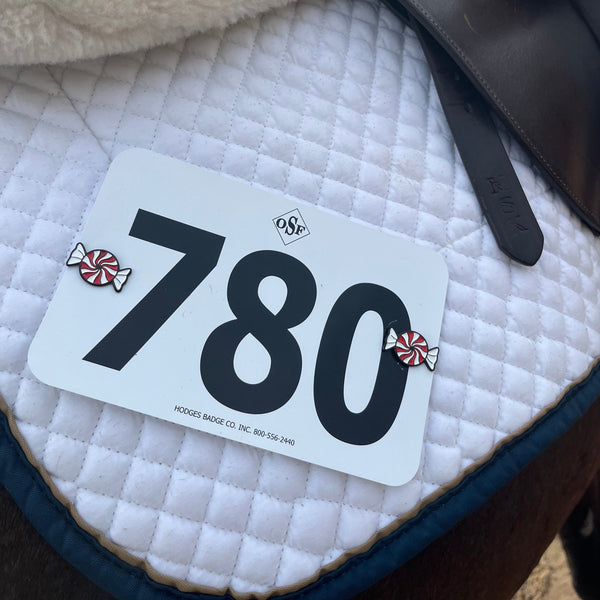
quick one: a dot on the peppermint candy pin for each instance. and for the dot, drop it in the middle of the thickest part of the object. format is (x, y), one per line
(411, 348)
(98, 267)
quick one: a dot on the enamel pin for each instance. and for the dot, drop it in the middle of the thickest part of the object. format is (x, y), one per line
(98, 267)
(411, 348)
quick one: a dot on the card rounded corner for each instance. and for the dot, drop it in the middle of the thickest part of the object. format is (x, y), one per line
(130, 156)
(442, 265)
(32, 361)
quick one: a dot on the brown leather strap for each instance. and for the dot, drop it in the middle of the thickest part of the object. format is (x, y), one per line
(538, 65)
(491, 173)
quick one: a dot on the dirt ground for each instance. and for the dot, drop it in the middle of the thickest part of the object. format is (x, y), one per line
(551, 579)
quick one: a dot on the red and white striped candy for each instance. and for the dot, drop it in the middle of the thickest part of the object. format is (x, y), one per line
(99, 267)
(411, 348)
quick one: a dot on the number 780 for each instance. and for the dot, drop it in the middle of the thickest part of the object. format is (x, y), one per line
(201, 251)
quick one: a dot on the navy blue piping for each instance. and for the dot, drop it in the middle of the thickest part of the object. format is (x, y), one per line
(127, 582)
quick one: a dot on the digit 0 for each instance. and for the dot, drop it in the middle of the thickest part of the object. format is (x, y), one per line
(271, 330)
(375, 420)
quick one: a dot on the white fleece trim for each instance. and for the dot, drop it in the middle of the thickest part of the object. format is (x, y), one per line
(63, 30)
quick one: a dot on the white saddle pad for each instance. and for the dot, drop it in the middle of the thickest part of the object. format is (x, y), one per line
(330, 102)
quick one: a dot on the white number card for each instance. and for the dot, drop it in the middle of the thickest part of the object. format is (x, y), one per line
(207, 302)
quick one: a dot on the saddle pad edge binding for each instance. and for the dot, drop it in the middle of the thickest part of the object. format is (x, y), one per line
(87, 549)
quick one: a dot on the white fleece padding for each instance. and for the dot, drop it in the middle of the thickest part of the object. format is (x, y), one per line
(49, 31)
(330, 102)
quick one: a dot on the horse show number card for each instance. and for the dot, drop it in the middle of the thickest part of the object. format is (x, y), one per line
(207, 302)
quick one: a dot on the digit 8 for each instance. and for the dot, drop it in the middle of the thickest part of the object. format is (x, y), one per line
(271, 330)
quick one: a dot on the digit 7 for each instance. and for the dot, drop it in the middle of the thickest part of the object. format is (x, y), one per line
(201, 251)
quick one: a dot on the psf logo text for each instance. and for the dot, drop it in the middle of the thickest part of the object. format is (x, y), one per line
(291, 226)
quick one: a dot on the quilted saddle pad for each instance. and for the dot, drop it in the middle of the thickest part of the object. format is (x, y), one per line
(329, 102)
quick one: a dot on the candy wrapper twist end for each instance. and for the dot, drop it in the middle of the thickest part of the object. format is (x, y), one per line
(77, 255)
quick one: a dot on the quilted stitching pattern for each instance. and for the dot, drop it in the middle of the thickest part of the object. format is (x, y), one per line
(330, 102)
